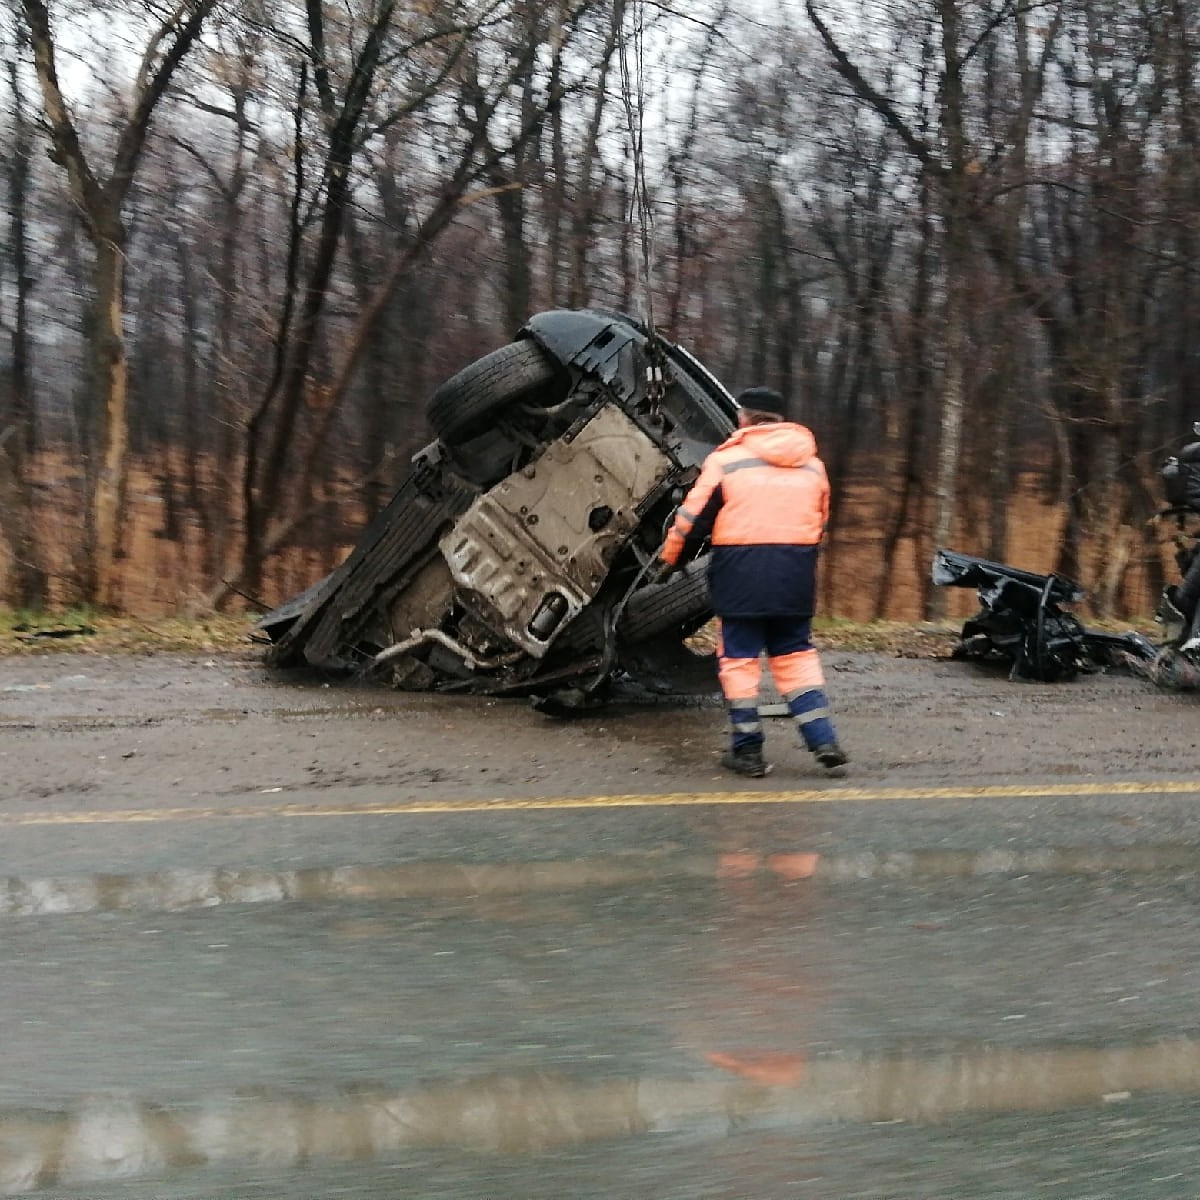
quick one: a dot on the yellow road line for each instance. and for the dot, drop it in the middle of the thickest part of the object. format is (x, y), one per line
(830, 795)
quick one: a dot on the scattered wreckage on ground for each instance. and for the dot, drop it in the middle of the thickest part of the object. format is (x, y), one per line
(518, 555)
(1021, 621)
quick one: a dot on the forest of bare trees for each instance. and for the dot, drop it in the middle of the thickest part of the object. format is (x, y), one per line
(246, 239)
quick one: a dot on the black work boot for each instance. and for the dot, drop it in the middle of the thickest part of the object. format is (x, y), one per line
(746, 760)
(830, 755)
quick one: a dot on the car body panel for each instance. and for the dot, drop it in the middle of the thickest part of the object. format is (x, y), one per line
(550, 531)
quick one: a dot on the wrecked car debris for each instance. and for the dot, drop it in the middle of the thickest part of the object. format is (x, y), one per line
(1021, 622)
(517, 555)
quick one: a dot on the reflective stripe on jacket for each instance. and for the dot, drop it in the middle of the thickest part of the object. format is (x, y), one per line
(762, 499)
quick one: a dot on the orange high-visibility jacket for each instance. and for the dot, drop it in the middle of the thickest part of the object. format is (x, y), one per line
(762, 499)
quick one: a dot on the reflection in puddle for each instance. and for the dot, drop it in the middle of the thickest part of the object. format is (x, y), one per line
(104, 1138)
(177, 890)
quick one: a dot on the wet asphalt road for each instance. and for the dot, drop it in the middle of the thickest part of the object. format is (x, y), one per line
(269, 939)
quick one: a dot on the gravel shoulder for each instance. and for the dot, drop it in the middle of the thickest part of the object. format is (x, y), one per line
(219, 727)
(142, 762)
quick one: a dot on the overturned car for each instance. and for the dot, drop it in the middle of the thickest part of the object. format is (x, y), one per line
(517, 556)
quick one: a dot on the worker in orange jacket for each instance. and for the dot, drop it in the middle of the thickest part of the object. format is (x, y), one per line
(762, 499)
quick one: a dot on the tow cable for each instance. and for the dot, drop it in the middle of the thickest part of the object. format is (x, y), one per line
(633, 94)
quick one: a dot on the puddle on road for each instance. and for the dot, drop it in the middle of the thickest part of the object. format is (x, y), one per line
(105, 1138)
(178, 890)
(367, 708)
(71, 681)
(75, 722)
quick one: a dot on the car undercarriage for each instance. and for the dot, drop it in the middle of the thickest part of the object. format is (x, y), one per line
(516, 557)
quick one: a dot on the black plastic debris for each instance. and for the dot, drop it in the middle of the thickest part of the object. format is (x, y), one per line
(1022, 623)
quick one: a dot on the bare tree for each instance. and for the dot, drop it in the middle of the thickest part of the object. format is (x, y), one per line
(18, 424)
(219, 132)
(271, 426)
(100, 200)
(479, 71)
(952, 163)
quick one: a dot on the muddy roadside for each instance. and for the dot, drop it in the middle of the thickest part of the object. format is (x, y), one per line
(118, 762)
(219, 726)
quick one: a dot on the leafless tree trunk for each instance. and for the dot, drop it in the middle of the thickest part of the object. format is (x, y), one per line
(213, 442)
(956, 252)
(511, 179)
(271, 427)
(100, 202)
(18, 424)
(680, 162)
(903, 515)
(585, 209)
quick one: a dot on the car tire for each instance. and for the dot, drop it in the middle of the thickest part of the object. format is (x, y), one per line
(463, 406)
(681, 605)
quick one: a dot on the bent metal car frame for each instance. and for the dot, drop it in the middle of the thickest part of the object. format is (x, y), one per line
(515, 557)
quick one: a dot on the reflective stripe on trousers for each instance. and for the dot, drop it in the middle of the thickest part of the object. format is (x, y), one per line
(794, 665)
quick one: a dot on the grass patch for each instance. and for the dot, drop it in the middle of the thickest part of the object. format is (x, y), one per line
(900, 639)
(924, 639)
(85, 631)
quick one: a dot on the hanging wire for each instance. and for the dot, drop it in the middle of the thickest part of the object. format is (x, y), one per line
(633, 94)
